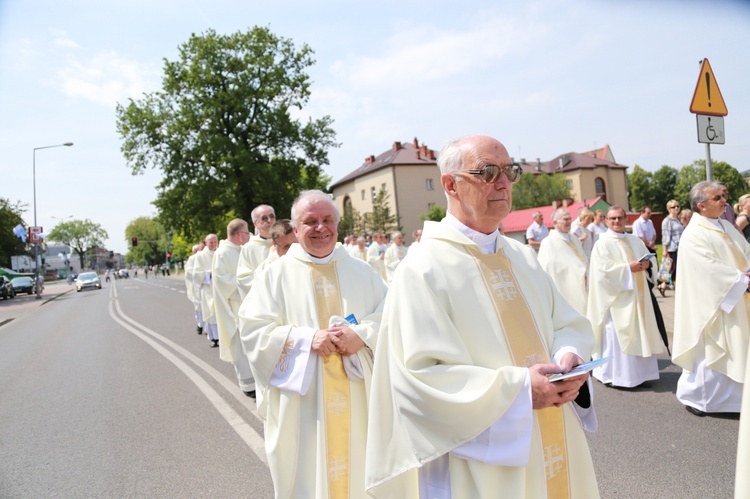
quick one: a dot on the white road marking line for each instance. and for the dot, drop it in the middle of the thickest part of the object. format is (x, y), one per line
(248, 434)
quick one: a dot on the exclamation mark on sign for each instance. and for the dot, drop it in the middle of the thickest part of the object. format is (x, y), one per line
(708, 87)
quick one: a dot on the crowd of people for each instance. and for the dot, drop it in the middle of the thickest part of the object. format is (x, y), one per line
(424, 371)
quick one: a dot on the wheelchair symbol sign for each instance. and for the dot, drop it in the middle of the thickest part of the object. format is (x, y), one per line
(710, 129)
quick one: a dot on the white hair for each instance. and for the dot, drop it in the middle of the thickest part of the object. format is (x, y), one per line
(312, 196)
(559, 213)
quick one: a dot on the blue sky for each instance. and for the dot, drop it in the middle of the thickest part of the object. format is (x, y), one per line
(544, 77)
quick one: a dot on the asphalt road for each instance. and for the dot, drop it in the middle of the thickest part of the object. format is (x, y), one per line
(112, 394)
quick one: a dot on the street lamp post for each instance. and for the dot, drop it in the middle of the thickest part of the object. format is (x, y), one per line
(36, 239)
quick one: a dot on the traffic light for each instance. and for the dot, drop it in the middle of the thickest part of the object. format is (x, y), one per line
(134, 241)
(169, 256)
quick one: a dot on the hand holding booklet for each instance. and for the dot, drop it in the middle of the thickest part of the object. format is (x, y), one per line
(579, 369)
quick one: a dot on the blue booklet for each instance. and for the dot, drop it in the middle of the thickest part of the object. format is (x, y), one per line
(579, 369)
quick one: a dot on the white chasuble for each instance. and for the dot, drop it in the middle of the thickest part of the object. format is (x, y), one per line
(315, 442)
(226, 299)
(710, 324)
(564, 260)
(253, 253)
(450, 363)
(202, 283)
(630, 307)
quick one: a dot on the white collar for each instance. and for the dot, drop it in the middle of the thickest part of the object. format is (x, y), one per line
(616, 234)
(482, 240)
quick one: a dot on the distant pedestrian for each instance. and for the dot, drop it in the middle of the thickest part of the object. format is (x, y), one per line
(537, 231)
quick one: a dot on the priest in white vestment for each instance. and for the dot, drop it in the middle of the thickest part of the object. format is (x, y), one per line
(712, 307)
(256, 249)
(394, 254)
(227, 303)
(191, 290)
(376, 254)
(461, 404)
(562, 257)
(309, 326)
(202, 281)
(360, 249)
(620, 308)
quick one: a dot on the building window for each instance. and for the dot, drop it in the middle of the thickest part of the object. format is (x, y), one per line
(373, 193)
(363, 194)
(348, 210)
(383, 188)
(569, 184)
(428, 184)
(600, 188)
(430, 206)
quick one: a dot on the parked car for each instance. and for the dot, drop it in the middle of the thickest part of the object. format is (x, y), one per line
(6, 288)
(23, 284)
(88, 280)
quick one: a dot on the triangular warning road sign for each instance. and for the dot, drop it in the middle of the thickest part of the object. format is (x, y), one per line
(707, 98)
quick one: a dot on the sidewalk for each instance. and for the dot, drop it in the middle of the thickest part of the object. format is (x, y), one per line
(22, 304)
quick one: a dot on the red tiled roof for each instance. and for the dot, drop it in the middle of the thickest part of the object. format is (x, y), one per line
(519, 221)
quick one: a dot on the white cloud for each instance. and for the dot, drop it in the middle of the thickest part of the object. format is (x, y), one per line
(66, 43)
(105, 78)
(416, 55)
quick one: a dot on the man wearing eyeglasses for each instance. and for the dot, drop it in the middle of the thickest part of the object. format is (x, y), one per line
(257, 248)
(227, 302)
(461, 405)
(620, 307)
(712, 307)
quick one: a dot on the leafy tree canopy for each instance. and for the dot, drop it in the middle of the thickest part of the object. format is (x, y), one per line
(221, 130)
(723, 172)
(10, 245)
(539, 190)
(80, 235)
(152, 242)
(381, 218)
(436, 213)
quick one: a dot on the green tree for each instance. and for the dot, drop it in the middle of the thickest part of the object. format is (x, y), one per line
(435, 214)
(663, 187)
(79, 235)
(152, 241)
(381, 219)
(640, 188)
(539, 190)
(690, 175)
(10, 245)
(352, 222)
(221, 130)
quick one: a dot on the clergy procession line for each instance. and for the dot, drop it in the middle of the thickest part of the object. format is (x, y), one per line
(385, 372)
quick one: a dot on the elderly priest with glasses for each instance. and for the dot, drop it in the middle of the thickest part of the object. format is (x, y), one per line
(620, 307)
(712, 307)
(461, 402)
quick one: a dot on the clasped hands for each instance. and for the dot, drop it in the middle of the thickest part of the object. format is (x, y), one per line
(545, 393)
(341, 340)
